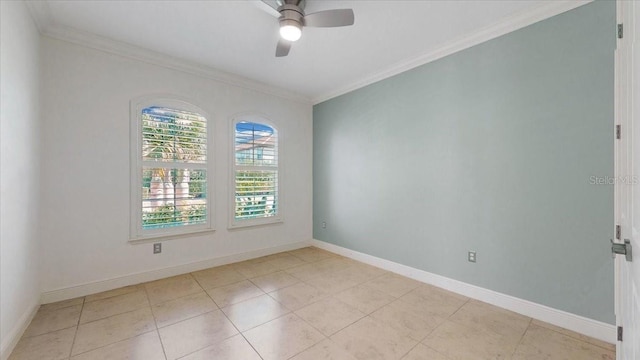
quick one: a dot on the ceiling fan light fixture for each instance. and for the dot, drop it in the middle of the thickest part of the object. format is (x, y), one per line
(293, 18)
(290, 30)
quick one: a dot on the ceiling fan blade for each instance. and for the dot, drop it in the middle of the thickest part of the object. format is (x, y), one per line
(283, 47)
(268, 6)
(330, 18)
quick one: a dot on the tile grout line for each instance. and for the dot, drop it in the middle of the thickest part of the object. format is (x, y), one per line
(432, 331)
(231, 304)
(439, 352)
(410, 350)
(292, 312)
(208, 312)
(202, 286)
(75, 335)
(119, 341)
(178, 298)
(126, 312)
(118, 313)
(250, 344)
(155, 322)
(515, 349)
(460, 308)
(244, 337)
(110, 316)
(136, 286)
(309, 347)
(26, 336)
(238, 330)
(418, 342)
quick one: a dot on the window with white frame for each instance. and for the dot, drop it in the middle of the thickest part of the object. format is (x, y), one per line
(171, 171)
(257, 198)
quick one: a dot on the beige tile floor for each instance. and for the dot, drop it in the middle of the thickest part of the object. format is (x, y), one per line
(302, 304)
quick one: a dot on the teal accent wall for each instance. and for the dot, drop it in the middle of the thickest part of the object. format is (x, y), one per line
(493, 149)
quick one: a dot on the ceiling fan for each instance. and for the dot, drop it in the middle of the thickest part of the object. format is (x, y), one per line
(292, 19)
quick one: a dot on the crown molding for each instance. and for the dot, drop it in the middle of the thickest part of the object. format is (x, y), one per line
(40, 12)
(42, 16)
(505, 26)
(155, 58)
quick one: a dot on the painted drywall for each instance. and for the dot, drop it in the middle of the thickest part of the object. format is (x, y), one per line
(493, 149)
(86, 166)
(19, 170)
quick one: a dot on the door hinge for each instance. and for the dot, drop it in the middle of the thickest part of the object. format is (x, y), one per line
(618, 232)
(619, 333)
(618, 131)
(620, 31)
(622, 249)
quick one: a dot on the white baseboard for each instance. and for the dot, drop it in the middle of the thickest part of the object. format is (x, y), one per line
(132, 279)
(579, 324)
(11, 340)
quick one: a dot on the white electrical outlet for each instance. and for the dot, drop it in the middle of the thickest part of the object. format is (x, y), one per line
(472, 256)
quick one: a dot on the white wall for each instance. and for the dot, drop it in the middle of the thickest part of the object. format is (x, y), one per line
(19, 171)
(85, 168)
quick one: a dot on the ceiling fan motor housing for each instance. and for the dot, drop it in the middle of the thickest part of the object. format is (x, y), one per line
(291, 15)
(292, 19)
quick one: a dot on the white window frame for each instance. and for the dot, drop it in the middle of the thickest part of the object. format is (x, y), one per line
(137, 233)
(279, 217)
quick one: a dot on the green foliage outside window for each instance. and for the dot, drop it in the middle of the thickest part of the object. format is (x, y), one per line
(173, 191)
(255, 194)
(168, 216)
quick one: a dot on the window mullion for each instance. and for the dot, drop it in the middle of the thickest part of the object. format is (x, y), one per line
(174, 165)
(255, 168)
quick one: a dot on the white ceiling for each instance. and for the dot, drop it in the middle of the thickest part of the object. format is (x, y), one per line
(239, 37)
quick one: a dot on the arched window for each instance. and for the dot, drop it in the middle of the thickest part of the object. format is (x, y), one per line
(170, 191)
(255, 180)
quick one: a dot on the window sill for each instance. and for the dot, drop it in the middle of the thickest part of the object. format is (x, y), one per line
(252, 224)
(161, 237)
